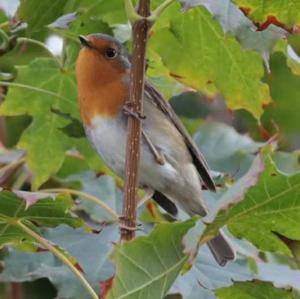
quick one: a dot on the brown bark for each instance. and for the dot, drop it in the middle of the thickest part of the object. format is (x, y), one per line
(16, 290)
(140, 34)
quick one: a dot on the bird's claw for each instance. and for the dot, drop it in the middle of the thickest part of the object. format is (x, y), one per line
(126, 227)
(127, 109)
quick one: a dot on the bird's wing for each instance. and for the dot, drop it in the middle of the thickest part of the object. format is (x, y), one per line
(198, 158)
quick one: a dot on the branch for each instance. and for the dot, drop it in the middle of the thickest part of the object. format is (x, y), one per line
(140, 33)
(16, 290)
(12, 165)
(86, 196)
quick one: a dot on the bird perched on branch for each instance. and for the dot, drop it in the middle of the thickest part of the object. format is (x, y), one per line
(170, 164)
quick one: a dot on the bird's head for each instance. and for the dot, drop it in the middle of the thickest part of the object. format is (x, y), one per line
(105, 48)
(102, 56)
(102, 71)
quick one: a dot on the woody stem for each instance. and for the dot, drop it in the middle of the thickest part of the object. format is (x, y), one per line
(140, 33)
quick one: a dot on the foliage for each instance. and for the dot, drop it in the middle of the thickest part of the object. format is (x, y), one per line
(253, 290)
(272, 203)
(234, 68)
(266, 12)
(197, 64)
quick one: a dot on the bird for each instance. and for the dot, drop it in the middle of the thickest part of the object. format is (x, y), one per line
(170, 162)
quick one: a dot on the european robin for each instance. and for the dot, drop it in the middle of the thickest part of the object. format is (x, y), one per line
(170, 164)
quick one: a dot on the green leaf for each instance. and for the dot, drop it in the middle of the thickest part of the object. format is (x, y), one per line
(197, 47)
(89, 18)
(74, 128)
(46, 212)
(91, 250)
(253, 290)
(234, 20)
(24, 51)
(206, 275)
(84, 22)
(147, 266)
(111, 12)
(3, 15)
(285, 90)
(283, 13)
(270, 207)
(289, 48)
(37, 13)
(39, 88)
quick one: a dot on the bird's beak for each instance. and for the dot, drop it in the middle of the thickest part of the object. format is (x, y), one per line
(84, 41)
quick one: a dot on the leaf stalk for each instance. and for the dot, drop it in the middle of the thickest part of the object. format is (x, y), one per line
(159, 10)
(132, 15)
(59, 255)
(86, 196)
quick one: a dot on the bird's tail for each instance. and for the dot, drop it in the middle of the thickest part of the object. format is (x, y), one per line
(221, 249)
(219, 246)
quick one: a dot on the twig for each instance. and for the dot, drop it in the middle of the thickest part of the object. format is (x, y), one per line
(12, 165)
(140, 33)
(16, 290)
(59, 255)
(86, 196)
(20, 180)
(159, 10)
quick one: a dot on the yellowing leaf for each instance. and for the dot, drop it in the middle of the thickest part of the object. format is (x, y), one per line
(283, 13)
(198, 53)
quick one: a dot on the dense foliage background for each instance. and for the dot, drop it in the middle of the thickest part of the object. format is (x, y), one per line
(232, 72)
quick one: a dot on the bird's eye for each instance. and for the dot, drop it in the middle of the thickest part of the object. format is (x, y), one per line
(111, 53)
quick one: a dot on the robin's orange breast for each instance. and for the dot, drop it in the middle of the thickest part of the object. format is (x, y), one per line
(101, 85)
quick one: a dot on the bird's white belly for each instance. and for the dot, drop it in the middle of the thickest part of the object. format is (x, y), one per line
(109, 138)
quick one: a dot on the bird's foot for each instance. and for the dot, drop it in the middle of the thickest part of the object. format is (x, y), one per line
(123, 226)
(127, 110)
